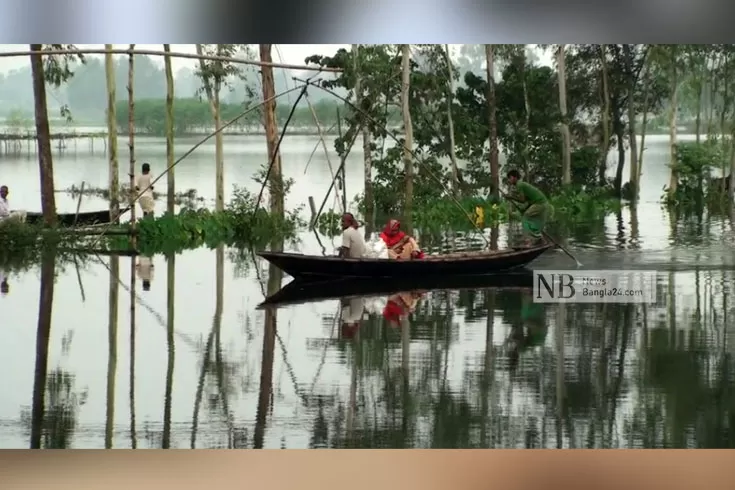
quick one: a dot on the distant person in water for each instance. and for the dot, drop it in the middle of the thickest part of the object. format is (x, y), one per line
(5, 212)
(353, 244)
(400, 245)
(143, 183)
(537, 210)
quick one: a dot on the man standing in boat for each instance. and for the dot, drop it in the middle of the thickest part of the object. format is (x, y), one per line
(353, 243)
(538, 209)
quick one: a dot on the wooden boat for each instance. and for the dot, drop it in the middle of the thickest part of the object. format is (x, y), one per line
(313, 267)
(71, 219)
(299, 292)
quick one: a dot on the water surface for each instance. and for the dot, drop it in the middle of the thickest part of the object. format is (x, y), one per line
(474, 368)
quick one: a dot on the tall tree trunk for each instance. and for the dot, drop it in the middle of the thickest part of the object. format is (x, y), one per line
(213, 96)
(408, 128)
(527, 118)
(270, 330)
(45, 162)
(605, 116)
(492, 122)
(632, 137)
(271, 132)
(698, 117)
(673, 109)
(114, 174)
(170, 348)
(170, 174)
(366, 147)
(644, 127)
(43, 335)
(112, 349)
(566, 165)
(450, 122)
(219, 155)
(131, 132)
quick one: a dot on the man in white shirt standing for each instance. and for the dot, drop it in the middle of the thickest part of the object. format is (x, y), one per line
(143, 183)
(5, 212)
(353, 243)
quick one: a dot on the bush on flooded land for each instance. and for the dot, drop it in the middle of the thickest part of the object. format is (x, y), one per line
(238, 225)
(468, 213)
(696, 188)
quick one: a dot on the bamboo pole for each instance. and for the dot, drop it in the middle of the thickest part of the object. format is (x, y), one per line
(131, 136)
(148, 52)
(114, 178)
(171, 174)
(324, 145)
(131, 171)
(112, 350)
(170, 349)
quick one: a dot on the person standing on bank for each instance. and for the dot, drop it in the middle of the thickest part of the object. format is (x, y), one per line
(538, 209)
(353, 244)
(143, 183)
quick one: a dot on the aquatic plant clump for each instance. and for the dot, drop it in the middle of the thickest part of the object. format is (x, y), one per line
(241, 224)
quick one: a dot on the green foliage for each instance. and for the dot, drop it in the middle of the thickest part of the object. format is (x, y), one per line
(21, 245)
(238, 225)
(694, 165)
(329, 223)
(192, 115)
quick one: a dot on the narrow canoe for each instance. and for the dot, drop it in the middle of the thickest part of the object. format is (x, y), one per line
(300, 292)
(314, 267)
(71, 219)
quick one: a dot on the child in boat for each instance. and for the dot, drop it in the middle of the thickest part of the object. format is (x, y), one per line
(400, 245)
(538, 209)
(143, 183)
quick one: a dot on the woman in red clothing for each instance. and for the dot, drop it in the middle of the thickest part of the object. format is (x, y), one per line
(400, 245)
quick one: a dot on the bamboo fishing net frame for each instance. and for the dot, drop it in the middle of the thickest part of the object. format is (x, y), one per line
(170, 54)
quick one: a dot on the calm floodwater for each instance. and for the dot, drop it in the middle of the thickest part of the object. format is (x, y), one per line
(234, 376)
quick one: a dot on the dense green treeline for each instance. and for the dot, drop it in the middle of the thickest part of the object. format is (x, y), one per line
(193, 115)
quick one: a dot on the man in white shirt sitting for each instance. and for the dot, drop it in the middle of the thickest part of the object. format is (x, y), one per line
(5, 212)
(353, 243)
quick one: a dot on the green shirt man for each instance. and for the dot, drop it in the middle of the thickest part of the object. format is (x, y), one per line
(538, 210)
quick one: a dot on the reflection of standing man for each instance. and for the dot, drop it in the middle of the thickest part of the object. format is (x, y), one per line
(530, 331)
(351, 316)
(145, 271)
(4, 286)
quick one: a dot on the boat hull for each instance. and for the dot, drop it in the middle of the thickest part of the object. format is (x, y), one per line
(300, 292)
(71, 219)
(312, 267)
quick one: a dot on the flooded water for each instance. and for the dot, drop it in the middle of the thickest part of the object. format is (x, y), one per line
(202, 367)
